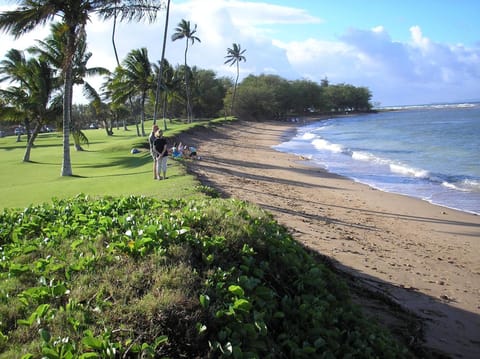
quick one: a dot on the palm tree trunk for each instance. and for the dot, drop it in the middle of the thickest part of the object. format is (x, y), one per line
(113, 37)
(235, 89)
(160, 70)
(164, 110)
(187, 88)
(67, 105)
(118, 64)
(142, 115)
(31, 140)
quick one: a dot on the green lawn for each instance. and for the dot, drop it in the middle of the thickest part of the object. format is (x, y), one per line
(106, 167)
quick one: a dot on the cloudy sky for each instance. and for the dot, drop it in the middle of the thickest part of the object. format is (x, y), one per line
(406, 52)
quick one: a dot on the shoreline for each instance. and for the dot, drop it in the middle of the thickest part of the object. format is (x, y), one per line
(421, 256)
(412, 192)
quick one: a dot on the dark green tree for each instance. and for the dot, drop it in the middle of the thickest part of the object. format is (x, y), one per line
(306, 96)
(208, 93)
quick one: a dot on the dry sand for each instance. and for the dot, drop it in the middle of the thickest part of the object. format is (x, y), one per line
(424, 257)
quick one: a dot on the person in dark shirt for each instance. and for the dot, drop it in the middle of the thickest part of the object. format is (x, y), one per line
(161, 149)
(151, 141)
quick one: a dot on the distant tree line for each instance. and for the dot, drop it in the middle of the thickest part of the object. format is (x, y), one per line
(271, 96)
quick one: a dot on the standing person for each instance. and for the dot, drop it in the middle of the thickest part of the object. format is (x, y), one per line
(151, 141)
(160, 145)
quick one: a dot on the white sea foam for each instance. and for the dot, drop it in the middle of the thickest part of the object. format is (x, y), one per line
(308, 136)
(408, 171)
(367, 157)
(451, 186)
(430, 152)
(321, 144)
(433, 106)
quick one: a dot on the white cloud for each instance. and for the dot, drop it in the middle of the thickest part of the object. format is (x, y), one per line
(397, 73)
(418, 39)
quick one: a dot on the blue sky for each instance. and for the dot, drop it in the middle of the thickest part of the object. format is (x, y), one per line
(406, 52)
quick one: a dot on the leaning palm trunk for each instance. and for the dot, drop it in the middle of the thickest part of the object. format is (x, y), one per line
(187, 87)
(142, 116)
(67, 106)
(31, 140)
(160, 72)
(235, 89)
(26, 156)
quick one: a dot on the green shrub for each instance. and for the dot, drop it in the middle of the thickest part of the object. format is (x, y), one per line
(132, 276)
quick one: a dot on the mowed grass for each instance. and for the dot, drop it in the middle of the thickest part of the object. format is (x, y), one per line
(105, 167)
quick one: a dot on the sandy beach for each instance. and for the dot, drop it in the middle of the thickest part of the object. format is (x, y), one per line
(423, 257)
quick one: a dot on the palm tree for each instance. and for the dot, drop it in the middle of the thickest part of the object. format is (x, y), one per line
(184, 31)
(74, 14)
(32, 98)
(170, 85)
(234, 57)
(99, 109)
(134, 79)
(53, 51)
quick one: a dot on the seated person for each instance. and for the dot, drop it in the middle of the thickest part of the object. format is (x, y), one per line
(192, 152)
(175, 152)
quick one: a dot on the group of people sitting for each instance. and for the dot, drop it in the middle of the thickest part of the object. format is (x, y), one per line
(183, 151)
(160, 152)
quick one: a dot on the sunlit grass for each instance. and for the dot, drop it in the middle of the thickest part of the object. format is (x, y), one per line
(105, 167)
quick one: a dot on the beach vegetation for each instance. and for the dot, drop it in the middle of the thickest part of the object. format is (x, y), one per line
(159, 72)
(133, 276)
(171, 85)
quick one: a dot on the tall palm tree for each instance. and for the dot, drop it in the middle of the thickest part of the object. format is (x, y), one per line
(52, 49)
(134, 79)
(184, 31)
(75, 14)
(234, 57)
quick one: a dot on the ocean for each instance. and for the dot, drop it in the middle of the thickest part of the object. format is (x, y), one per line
(430, 152)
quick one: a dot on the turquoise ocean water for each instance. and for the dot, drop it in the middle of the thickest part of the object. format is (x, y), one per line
(430, 152)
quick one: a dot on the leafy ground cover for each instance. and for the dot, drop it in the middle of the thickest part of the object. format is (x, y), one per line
(134, 276)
